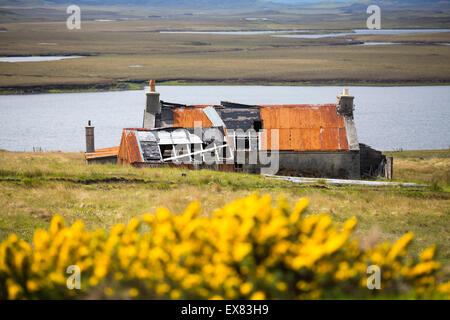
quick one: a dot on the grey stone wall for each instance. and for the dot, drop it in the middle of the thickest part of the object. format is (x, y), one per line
(339, 165)
(342, 165)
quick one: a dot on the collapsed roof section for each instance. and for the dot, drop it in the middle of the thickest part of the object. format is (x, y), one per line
(175, 145)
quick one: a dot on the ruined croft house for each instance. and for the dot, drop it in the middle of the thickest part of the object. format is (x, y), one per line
(310, 140)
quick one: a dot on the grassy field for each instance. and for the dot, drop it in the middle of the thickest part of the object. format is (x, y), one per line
(35, 186)
(120, 53)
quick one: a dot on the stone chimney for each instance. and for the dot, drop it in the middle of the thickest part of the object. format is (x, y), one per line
(90, 146)
(153, 107)
(345, 105)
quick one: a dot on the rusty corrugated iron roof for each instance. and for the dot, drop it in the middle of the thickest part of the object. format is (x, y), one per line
(103, 153)
(129, 151)
(302, 127)
(306, 127)
(186, 117)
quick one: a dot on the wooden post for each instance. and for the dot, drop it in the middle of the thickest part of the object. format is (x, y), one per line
(389, 168)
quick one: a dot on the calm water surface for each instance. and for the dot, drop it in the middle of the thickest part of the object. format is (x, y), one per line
(315, 36)
(387, 118)
(363, 32)
(235, 32)
(37, 58)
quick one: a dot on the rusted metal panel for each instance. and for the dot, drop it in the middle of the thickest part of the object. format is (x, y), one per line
(105, 152)
(305, 139)
(285, 139)
(329, 138)
(343, 143)
(121, 156)
(330, 118)
(305, 127)
(130, 152)
(270, 118)
(186, 117)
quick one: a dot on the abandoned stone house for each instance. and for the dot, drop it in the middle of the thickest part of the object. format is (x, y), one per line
(303, 139)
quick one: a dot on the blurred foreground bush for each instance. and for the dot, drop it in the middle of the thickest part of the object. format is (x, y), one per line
(246, 250)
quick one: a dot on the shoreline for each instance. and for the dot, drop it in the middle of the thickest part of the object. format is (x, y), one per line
(140, 85)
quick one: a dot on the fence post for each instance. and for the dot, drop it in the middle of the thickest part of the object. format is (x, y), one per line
(389, 168)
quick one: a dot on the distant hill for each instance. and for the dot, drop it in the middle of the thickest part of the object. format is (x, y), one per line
(236, 4)
(148, 3)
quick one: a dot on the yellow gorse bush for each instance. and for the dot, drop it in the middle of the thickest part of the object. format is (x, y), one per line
(246, 250)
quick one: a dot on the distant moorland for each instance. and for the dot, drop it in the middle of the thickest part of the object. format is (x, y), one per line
(123, 46)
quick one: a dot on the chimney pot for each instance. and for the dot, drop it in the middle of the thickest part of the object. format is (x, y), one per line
(152, 86)
(90, 146)
(153, 107)
(345, 104)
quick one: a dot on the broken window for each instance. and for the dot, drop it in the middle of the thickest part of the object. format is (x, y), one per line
(181, 145)
(149, 146)
(246, 141)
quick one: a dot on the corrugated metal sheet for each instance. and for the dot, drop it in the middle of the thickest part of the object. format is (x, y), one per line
(103, 153)
(185, 117)
(129, 151)
(306, 127)
(302, 127)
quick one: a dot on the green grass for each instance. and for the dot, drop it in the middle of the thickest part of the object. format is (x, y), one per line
(420, 154)
(35, 186)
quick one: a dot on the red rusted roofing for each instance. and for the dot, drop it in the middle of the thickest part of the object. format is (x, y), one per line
(305, 127)
(301, 127)
(186, 117)
(103, 153)
(129, 151)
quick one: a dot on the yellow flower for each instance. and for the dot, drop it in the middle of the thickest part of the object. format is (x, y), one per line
(246, 288)
(350, 224)
(133, 292)
(241, 250)
(298, 209)
(109, 291)
(244, 246)
(13, 289)
(133, 224)
(148, 218)
(258, 295)
(32, 285)
(56, 224)
(175, 294)
(162, 289)
(399, 247)
(281, 286)
(428, 253)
